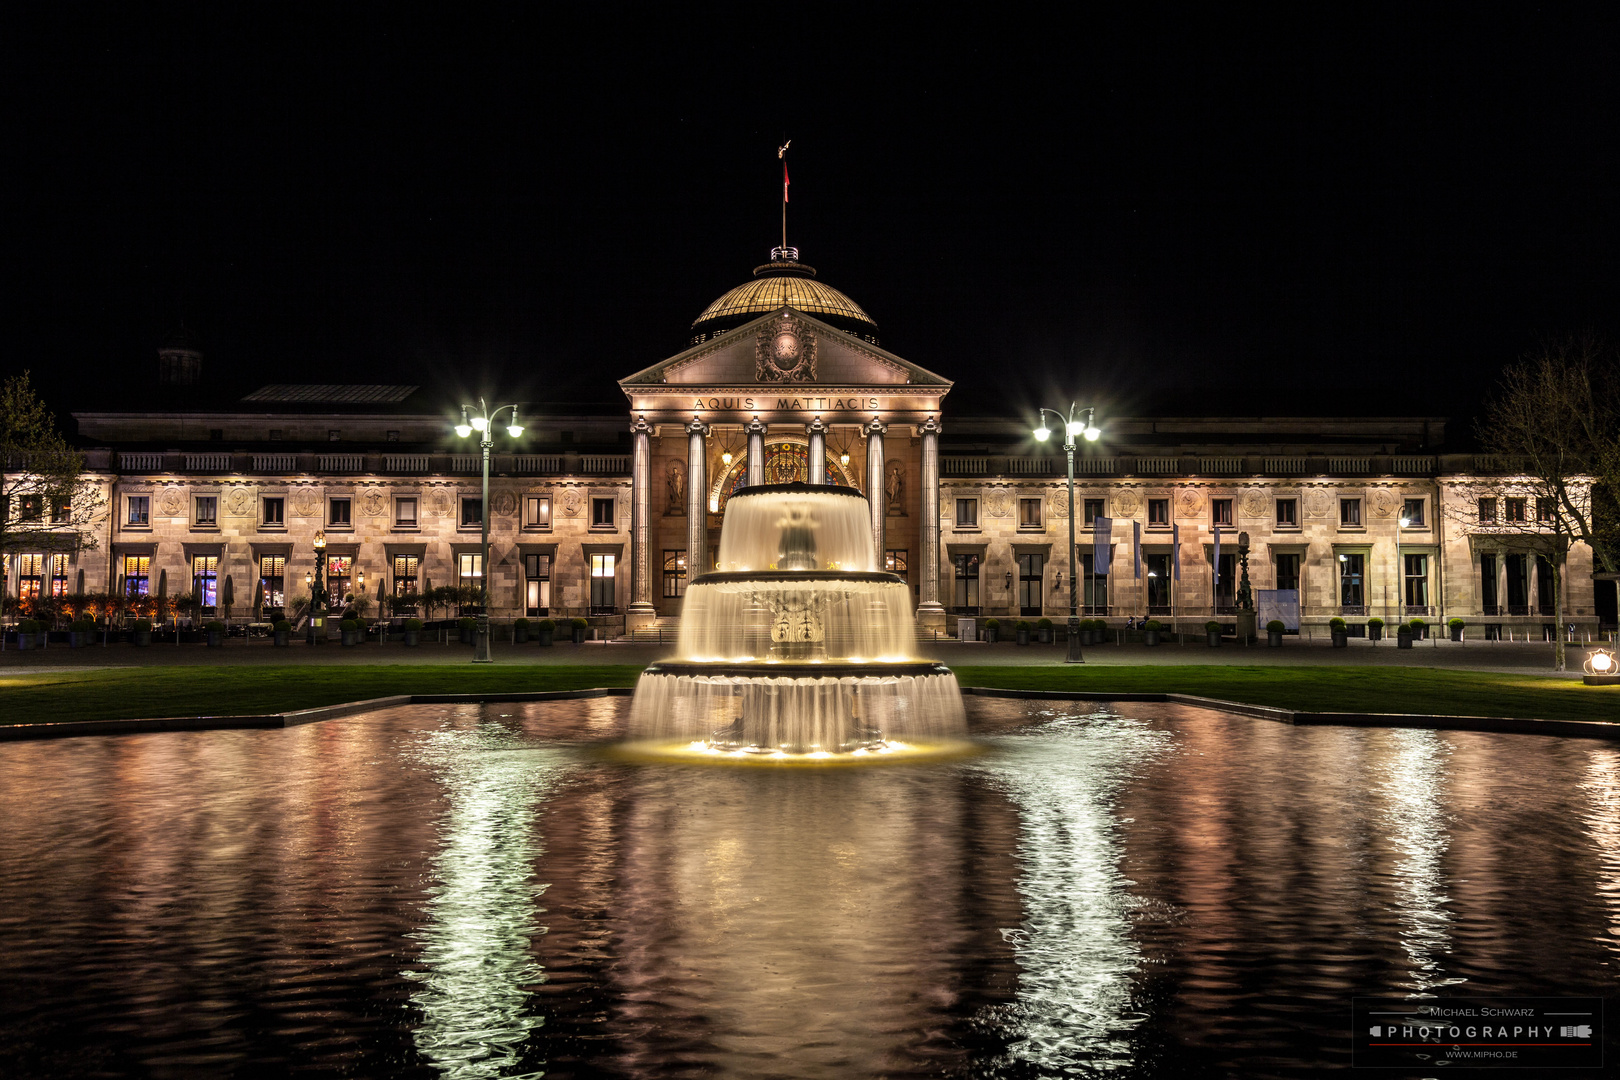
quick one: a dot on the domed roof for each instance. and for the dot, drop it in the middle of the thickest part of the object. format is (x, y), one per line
(783, 281)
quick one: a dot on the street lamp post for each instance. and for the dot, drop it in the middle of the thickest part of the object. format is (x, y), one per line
(483, 422)
(1071, 428)
(317, 594)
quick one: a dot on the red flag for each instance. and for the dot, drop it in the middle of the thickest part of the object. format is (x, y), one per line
(784, 182)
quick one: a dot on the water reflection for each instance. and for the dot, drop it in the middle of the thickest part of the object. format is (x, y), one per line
(1411, 779)
(1602, 817)
(478, 971)
(1073, 1004)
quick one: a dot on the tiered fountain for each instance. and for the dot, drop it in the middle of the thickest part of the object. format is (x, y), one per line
(798, 647)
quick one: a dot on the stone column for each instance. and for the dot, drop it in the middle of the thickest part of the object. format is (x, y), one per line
(877, 498)
(930, 615)
(697, 499)
(641, 611)
(816, 460)
(756, 452)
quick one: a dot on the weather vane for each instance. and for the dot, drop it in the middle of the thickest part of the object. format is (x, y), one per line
(781, 155)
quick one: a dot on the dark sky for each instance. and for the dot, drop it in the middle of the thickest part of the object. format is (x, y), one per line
(1352, 212)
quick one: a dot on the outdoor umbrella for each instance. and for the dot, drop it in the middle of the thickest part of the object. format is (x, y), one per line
(162, 593)
(227, 596)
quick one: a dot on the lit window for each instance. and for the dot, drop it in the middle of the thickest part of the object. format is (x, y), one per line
(674, 573)
(31, 507)
(407, 568)
(967, 513)
(205, 580)
(30, 575)
(537, 512)
(602, 513)
(1029, 514)
(140, 511)
(137, 575)
(272, 581)
(470, 569)
(338, 569)
(537, 584)
(602, 578)
(1287, 515)
(895, 561)
(61, 511)
(1349, 513)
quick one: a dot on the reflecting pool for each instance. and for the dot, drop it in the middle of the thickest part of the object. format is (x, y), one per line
(482, 891)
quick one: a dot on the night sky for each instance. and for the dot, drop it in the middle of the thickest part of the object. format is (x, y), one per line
(1353, 213)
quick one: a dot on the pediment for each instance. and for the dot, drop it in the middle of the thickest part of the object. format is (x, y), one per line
(781, 350)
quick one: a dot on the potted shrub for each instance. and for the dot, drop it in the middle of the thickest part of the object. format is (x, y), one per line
(215, 634)
(1375, 629)
(282, 631)
(1150, 631)
(543, 631)
(1021, 629)
(1337, 633)
(413, 631)
(580, 626)
(1456, 626)
(1089, 630)
(992, 631)
(27, 635)
(1043, 629)
(1420, 629)
(520, 632)
(81, 632)
(1403, 636)
(351, 631)
(143, 632)
(1212, 633)
(1274, 633)
(468, 627)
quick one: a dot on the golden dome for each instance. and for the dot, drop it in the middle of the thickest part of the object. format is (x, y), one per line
(778, 283)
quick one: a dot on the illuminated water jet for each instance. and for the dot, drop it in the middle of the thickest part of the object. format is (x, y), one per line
(797, 647)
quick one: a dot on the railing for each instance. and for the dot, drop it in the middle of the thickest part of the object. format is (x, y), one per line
(1286, 466)
(1161, 609)
(341, 462)
(1412, 464)
(208, 462)
(405, 463)
(1426, 610)
(140, 462)
(538, 463)
(604, 464)
(964, 466)
(275, 462)
(466, 463)
(1159, 466)
(1349, 464)
(1221, 466)
(1018, 466)
(1093, 466)
(1353, 609)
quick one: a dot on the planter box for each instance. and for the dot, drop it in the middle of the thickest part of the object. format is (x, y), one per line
(1340, 639)
(1403, 641)
(1045, 637)
(26, 641)
(411, 636)
(579, 635)
(78, 639)
(1456, 633)
(351, 637)
(216, 639)
(992, 634)
(469, 637)
(281, 637)
(1375, 633)
(520, 635)
(1022, 637)
(143, 638)
(1150, 637)
(1274, 639)
(543, 637)
(1213, 637)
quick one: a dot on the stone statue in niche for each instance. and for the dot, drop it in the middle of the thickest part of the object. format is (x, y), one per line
(894, 488)
(675, 483)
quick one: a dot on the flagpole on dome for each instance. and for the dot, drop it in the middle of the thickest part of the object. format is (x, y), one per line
(781, 155)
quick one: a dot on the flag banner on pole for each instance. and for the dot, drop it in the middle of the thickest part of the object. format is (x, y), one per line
(1102, 533)
(1136, 545)
(1217, 556)
(784, 182)
(1175, 550)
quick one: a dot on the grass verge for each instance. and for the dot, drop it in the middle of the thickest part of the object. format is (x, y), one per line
(128, 693)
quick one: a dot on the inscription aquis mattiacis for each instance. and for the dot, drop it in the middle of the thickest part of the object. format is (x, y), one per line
(784, 404)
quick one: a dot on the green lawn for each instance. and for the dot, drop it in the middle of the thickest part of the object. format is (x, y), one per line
(183, 691)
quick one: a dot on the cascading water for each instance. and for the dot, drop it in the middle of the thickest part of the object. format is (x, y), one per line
(798, 645)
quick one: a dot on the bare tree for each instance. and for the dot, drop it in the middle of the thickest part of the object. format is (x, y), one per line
(47, 504)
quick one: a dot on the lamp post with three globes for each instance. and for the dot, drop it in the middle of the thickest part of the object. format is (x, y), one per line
(1086, 427)
(483, 422)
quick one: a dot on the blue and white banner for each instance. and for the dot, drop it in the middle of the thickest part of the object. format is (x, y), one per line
(1102, 533)
(1175, 550)
(1217, 559)
(1136, 545)
(1280, 604)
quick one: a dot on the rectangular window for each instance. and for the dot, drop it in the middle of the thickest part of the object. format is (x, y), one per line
(472, 512)
(137, 575)
(61, 511)
(1546, 509)
(140, 511)
(59, 568)
(339, 587)
(1287, 513)
(1350, 581)
(967, 514)
(205, 581)
(338, 514)
(1220, 511)
(1489, 597)
(1412, 514)
(1349, 513)
(1093, 511)
(1029, 514)
(407, 572)
(206, 509)
(1158, 569)
(1544, 586)
(1487, 511)
(1518, 584)
(470, 570)
(31, 507)
(1093, 599)
(1158, 513)
(405, 512)
(1226, 585)
(275, 513)
(1415, 578)
(1287, 571)
(30, 575)
(602, 513)
(602, 579)
(1031, 570)
(1515, 511)
(896, 561)
(674, 573)
(537, 512)
(537, 584)
(273, 581)
(966, 593)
